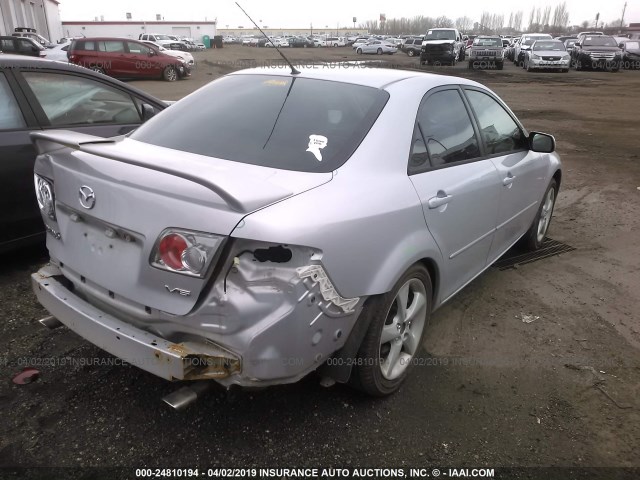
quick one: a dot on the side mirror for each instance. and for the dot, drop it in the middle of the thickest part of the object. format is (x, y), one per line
(152, 53)
(621, 45)
(147, 112)
(542, 142)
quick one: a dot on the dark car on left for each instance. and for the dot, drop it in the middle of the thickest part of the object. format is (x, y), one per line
(39, 95)
(21, 46)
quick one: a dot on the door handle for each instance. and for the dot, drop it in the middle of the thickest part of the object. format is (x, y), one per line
(441, 199)
(508, 180)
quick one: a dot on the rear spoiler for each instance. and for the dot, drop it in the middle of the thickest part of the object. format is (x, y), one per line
(227, 185)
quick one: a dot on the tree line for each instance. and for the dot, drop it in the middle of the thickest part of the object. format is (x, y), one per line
(540, 19)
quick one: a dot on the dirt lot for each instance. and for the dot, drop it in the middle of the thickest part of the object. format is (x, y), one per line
(563, 390)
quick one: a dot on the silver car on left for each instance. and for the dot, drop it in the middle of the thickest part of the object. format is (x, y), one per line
(378, 47)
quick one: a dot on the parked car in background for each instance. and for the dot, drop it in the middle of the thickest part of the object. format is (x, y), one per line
(207, 258)
(31, 33)
(509, 53)
(300, 42)
(360, 41)
(524, 45)
(630, 54)
(125, 58)
(278, 42)
(378, 47)
(179, 54)
(41, 95)
(335, 42)
(159, 38)
(442, 45)
(486, 52)
(596, 51)
(22, 46)
(58, 53)
(412, 46)
(569, 45)
(547, 55)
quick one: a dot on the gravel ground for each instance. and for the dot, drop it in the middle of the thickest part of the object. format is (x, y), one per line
(493, 390)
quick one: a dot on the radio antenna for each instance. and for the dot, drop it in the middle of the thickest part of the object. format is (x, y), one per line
(294, 71)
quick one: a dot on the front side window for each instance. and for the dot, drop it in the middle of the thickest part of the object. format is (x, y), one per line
(447, 129)
(499, 131)
(10, 114)
(72, 100)
(275, 121)
(26, 46)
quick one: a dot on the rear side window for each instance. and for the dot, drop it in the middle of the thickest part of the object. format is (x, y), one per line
(10, 115)
(6, 45)
(447, 129)
(281, 122)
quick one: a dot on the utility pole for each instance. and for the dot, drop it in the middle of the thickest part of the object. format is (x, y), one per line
(624, 9)
(597, 18)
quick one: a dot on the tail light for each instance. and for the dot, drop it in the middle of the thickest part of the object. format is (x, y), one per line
(184, 251)
(45, 197)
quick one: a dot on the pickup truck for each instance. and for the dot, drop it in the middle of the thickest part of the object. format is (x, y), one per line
(442, 46)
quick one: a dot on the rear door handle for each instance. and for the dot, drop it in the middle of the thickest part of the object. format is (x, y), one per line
(508, 180)
(441, 199)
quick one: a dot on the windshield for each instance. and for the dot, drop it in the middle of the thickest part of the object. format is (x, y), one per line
(487, 42)
(600, 41)
(441, 35)
(280, 122)
(549, 46)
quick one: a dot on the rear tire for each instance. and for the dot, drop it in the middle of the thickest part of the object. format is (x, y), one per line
(532, 240)
(379, 51)
(97, 69)
(397, 325)
(359, 51)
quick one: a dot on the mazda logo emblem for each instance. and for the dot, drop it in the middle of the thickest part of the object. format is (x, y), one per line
(87, 197)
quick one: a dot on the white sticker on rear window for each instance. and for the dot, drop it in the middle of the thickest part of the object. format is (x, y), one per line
(317, 143)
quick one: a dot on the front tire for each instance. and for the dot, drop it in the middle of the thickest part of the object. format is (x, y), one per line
(379, 51)
(411, 53)
(397, 324)
(359, 51)
(97, 69)
(170, 74)
(536, 234)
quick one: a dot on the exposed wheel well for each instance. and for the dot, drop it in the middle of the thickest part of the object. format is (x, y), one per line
(432, 268)
(558, 177)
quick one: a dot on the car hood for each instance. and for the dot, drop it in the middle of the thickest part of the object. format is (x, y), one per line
(596, 48)
(550, 53)
(438, 42)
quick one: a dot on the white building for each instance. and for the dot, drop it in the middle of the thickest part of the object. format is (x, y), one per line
(43, 15)
(133, 29)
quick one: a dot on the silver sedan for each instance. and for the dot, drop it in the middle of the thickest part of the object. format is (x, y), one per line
(302, 221)
(377, 47)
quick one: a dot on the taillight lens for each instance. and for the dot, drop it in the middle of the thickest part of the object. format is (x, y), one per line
(184, 251)
(44, 195)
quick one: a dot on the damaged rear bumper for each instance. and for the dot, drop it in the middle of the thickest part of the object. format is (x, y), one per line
(171, 361)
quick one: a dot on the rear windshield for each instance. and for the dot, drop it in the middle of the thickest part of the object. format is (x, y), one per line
(281, 122)
(441, 35)
(549, 46)
(600, 41)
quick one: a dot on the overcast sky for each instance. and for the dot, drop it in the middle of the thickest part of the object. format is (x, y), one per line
(331, 13)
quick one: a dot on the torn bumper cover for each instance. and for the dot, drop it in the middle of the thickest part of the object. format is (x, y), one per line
(171, 361)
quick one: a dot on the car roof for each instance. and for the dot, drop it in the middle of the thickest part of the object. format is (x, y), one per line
(368, 77)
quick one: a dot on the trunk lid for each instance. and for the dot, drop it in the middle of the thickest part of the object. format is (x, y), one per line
(139, 191)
